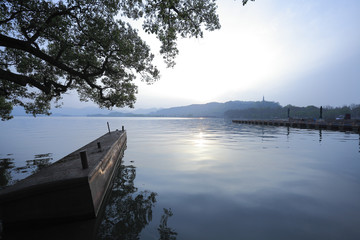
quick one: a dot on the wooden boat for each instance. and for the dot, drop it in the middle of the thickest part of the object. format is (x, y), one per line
(70, 188)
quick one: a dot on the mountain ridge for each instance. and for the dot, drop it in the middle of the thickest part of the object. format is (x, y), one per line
(211, 109)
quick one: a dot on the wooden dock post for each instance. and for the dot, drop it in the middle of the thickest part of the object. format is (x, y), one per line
(108, 127)
(84, 160)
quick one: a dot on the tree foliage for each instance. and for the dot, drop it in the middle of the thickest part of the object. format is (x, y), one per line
(49, 47)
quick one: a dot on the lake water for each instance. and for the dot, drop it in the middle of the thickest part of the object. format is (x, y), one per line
(206, 178)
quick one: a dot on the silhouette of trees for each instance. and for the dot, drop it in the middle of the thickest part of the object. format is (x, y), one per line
(310, 112)
(50, 47)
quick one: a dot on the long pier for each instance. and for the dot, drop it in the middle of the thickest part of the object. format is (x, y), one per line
(72, 188)
(342, 125)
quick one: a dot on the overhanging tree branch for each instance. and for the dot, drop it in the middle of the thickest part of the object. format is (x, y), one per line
(22, 80)
(26, 46)
(49, 19)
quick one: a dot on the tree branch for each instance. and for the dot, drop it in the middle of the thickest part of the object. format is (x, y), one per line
(22, 80)
(48, 20)
(26, 46)
(13, 16)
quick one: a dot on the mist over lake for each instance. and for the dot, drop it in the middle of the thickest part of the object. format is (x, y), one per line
(208, 178)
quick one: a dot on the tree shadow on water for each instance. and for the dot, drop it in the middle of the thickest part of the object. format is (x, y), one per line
(6, 164)
(166, 233)
(8, 168)
(128, 211)
(34, 165)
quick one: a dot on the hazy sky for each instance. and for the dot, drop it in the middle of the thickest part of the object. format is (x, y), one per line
(292, 52)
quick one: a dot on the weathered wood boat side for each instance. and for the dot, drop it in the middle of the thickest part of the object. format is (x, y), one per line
(65, 190)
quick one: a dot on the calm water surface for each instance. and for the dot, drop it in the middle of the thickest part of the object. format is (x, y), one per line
(207, 178)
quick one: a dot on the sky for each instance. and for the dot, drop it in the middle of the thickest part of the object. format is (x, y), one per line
(292, 52)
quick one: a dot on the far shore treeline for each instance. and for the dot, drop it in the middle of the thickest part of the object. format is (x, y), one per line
(309, 112)
(253, 110)
(230, 110)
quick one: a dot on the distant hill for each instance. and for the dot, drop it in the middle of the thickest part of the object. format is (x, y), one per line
(213, 109)
(231, 110)
(143, 111)
(116, 114)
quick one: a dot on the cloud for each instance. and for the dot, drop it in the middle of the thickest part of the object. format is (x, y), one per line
(281, 49)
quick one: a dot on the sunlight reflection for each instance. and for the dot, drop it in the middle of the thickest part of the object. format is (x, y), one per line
(199, 140)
